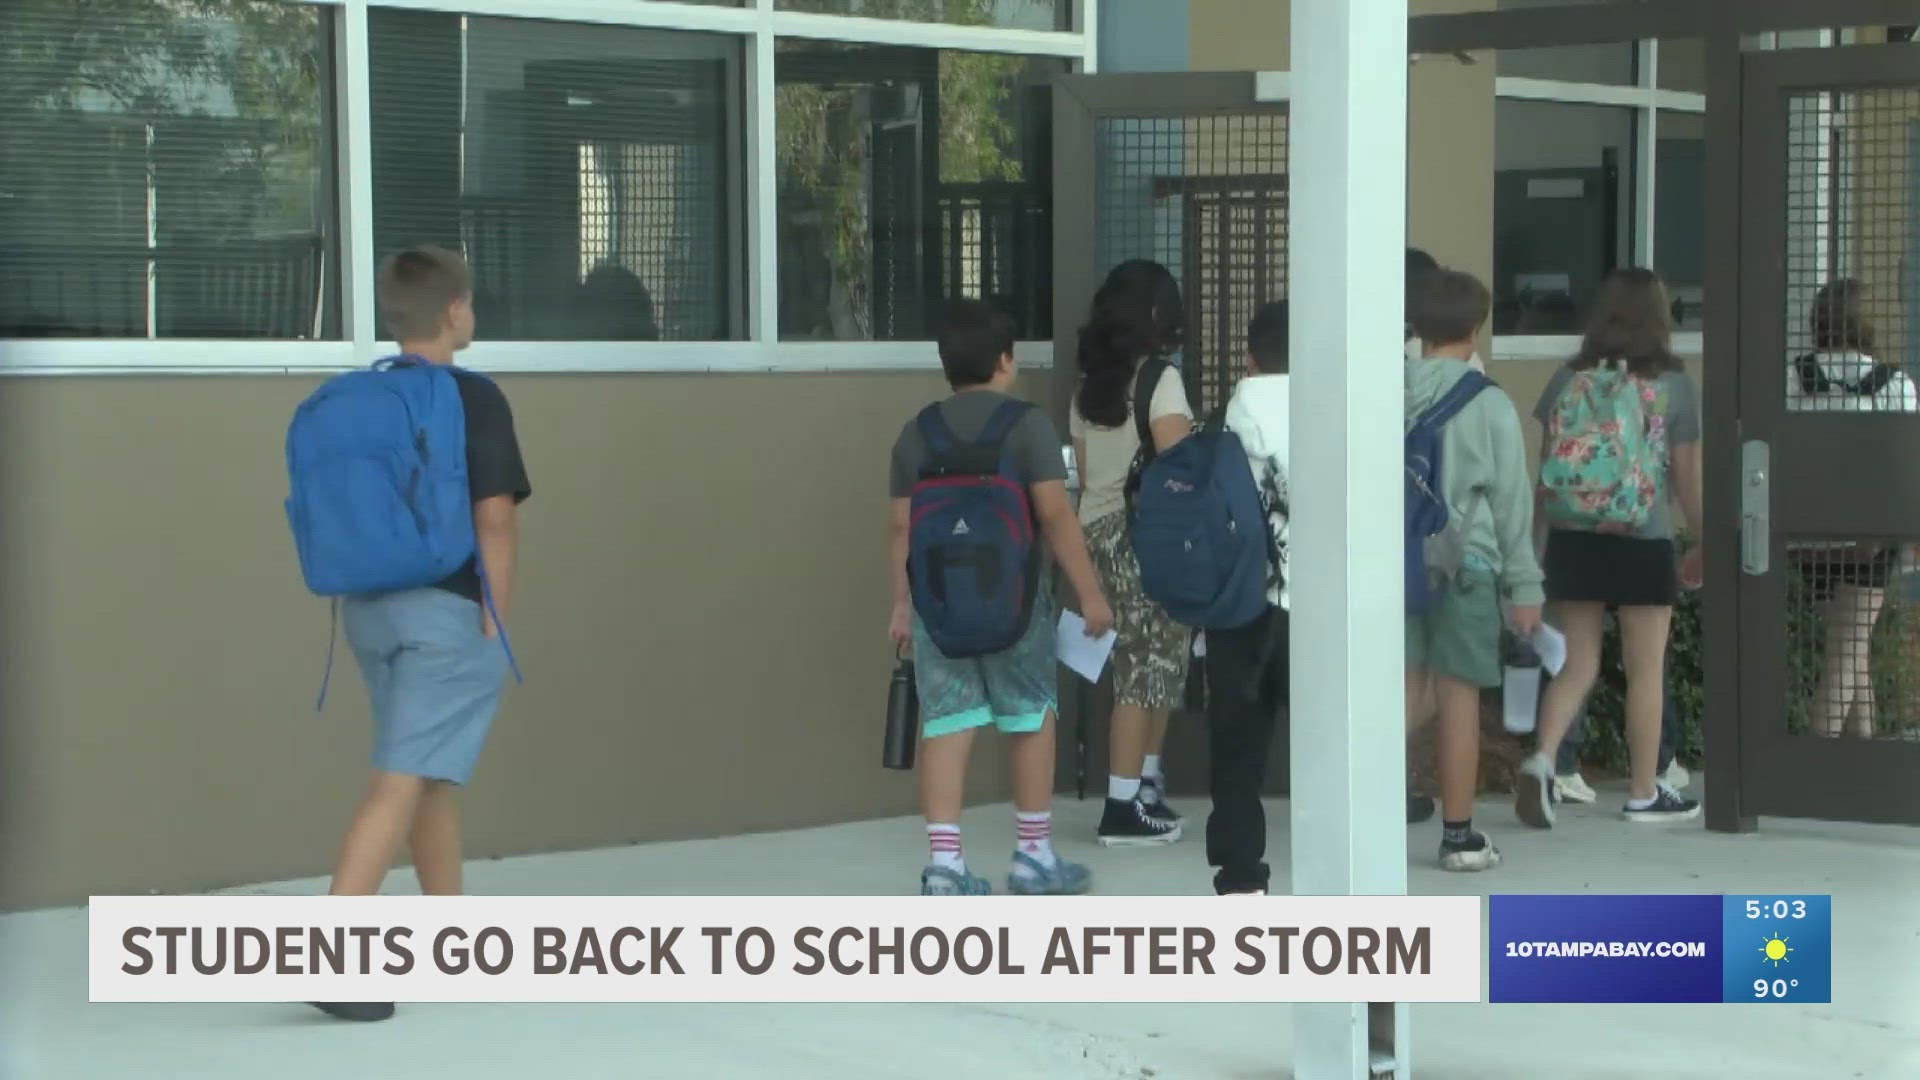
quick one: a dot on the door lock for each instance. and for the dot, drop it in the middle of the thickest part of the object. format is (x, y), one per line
(1756, 501)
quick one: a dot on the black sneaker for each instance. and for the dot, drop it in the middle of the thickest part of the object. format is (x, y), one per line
(365, 1012)
(1419, 808)
(1130, 823)
(1476, 852)
(1667, 805)
(1155, 798)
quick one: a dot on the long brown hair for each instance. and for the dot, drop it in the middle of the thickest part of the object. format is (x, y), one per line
(1630, 323)
(1836, 321)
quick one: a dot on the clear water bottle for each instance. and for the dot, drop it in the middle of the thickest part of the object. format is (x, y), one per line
(1520, 692)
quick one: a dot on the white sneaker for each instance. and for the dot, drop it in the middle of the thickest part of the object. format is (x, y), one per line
(1533, 792)
(1676, 777)
(1573, 788)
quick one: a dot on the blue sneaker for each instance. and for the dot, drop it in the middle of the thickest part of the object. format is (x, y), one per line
(1031, 878)
(940, 881)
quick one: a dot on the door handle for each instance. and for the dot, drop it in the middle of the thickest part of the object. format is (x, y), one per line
(1756, 501)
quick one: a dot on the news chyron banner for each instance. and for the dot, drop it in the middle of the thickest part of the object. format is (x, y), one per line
(785, 949)
(1638, 948)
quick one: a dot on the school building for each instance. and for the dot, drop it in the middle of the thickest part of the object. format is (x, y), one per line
(709, 238)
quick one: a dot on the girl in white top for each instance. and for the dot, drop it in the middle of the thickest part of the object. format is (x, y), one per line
(1849, 580)
(1137, 316)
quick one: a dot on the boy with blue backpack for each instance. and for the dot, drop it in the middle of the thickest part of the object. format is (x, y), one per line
(977, 483)
(405, 480)
(1469, 543)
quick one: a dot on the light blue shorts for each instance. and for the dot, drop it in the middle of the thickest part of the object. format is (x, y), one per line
(1013, 689)
(434, 680)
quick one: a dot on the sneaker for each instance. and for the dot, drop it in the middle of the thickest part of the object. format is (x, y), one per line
(1031, 877)
(1155, 798)
(1676, 777)
(1129, 823)
(1573, 788)
(1419, 808)
(1533, 792)
(1476, 852)
(1667, 805)
(364, 1012)
(940, 881)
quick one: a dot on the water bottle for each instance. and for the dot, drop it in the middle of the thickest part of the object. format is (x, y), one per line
(1521, 691)
(903, 718)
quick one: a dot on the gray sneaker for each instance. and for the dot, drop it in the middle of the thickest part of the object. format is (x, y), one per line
(1031, 878)
(1533, 792)
(940, 881)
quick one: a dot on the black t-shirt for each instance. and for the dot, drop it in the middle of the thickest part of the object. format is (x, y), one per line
(494, 466)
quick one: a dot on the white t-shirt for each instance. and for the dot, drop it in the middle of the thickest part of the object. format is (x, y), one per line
(1844, 372)
(1258, 414)
(1109, 450)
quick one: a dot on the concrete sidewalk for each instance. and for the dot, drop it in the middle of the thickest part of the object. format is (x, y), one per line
(1871, 1032)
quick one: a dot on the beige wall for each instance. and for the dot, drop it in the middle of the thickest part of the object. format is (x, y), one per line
(701, 622)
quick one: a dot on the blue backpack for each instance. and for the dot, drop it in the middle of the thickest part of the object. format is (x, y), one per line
(377, 476)
(1432, 541)
(1197, 525)
(973, 558)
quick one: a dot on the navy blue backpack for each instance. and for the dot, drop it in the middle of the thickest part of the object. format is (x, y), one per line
(973, 557)
(1196, 521)
(1427, 516)
(377, 476)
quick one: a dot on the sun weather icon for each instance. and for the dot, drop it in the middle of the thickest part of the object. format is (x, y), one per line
(1775, 948)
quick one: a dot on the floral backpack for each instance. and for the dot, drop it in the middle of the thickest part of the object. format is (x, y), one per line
(1602, 465)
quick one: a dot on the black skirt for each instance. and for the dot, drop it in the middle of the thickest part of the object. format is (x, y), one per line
(1608, 569)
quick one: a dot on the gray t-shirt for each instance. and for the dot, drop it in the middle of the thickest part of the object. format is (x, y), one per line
(1675, 422)
(1034, 441)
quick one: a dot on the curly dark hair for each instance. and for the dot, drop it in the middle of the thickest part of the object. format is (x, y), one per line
(1137, 313)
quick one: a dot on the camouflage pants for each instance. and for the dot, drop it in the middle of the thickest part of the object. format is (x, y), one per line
(1150, 656)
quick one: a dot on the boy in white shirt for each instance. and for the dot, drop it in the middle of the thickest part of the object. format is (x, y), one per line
(1247, 667)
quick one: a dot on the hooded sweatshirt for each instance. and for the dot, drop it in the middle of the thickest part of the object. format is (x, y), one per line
(1258, 415)
(1487, 481)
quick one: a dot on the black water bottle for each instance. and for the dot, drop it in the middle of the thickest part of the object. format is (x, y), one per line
(903, 718)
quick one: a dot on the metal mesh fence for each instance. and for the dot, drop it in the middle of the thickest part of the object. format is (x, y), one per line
(1207, 196)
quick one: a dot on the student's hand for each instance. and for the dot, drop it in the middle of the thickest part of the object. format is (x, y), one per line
(1096, 614)
(1693, 571)
(1525, 619)
(900, 627)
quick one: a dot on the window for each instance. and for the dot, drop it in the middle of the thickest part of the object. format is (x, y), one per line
(1680, 241)
(907, 176)
(168, 172)
(589, 173)
(1562, 210)
(1013, 14)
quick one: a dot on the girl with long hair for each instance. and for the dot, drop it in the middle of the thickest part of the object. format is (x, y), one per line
(1137, 321)
(1592, 567)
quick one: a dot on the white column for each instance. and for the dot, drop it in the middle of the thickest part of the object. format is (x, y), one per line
(358, 257)
(1346, 283)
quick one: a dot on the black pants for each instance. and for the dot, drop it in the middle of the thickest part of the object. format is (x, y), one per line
(1569, 757)
(1246, 689)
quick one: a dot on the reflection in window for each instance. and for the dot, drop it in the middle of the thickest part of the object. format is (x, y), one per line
(587, 172)
(167, 171)
(907, 176)
(1562, 210)
(1014, 14)
(1680, 214)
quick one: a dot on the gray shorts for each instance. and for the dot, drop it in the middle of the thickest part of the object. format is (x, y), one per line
(434, 680)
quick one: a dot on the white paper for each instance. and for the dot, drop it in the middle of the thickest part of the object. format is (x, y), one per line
(1551, 646)
(1520, 699)
(1084, 655)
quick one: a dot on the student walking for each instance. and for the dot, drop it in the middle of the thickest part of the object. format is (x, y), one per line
(1470, 544)
(1246, 667)
(1848, 580)
(1621, 442)
(1136, 323)
(431, 649)
(972, 477)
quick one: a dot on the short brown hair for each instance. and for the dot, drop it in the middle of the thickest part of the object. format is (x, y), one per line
(1837, 321)
(1631, 324)
(417, 286)
(1446, 307)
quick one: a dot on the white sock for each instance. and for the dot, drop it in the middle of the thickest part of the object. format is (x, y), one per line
(943, 843)
(1123, 787)
(1150, 771)
(1034, 837)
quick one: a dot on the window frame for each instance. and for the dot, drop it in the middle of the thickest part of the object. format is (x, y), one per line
(759, 26)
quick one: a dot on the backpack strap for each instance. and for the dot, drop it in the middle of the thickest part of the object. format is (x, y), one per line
(934, 430)
(1459, 397)
(1001, 424)
(1145, 382)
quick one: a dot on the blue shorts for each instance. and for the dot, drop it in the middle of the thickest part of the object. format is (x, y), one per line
(434, 680)
(1013, 689)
